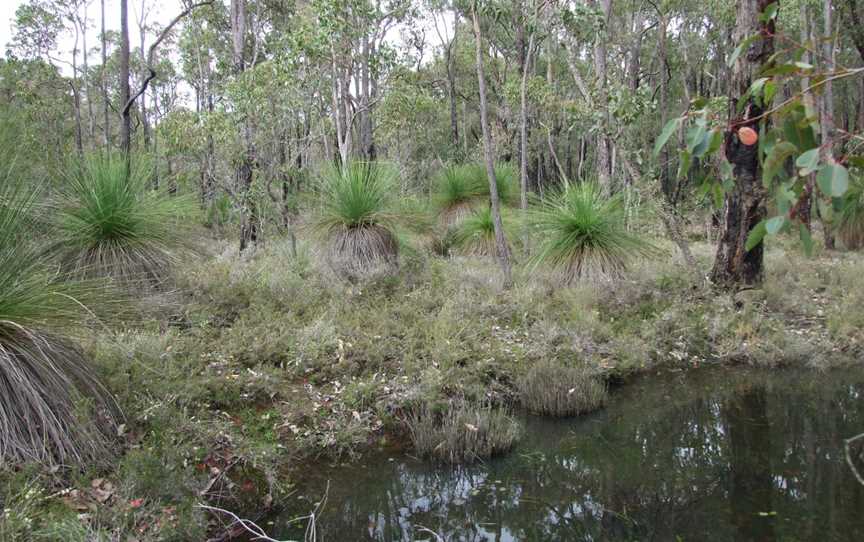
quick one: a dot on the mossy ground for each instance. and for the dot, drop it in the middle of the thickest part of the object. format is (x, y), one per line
(257, 367)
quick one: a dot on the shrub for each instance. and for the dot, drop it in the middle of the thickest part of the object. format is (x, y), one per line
(850, 223)
(462, 434)
(48, 390)
(556, 390)
(583, 234)
(358, 219)
(111, 225)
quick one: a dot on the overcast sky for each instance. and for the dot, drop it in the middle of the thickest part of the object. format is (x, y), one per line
(161, 11)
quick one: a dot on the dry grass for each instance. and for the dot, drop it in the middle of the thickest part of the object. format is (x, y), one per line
(361, 251)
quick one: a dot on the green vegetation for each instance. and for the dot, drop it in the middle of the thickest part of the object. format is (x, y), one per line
(557, 390)
(461, 190)
(583, 234)
(475, 235)
(850, 222)
(51, 398)
(462, 433)
(358, 219)
(111, 225)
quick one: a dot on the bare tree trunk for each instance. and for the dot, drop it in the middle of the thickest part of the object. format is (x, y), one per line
(451, 82)
(249, 227)
(126, 114)
(87, 87)
(76, 97)
(106, 104)
(502, 250)
(145, 120)
(523, 128)
(665, 179)
(810, 108)
(826, 106)
(745, 203)
(600, 69)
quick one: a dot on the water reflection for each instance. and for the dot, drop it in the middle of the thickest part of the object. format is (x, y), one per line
(708, 456)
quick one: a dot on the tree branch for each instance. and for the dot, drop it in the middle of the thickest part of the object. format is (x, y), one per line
(152, 51)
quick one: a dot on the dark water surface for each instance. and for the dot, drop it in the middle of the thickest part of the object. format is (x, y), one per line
(711, 455)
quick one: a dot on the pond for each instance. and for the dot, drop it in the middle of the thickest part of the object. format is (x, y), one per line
(705, 455)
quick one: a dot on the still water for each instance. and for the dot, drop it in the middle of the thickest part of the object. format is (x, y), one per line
(710, 455)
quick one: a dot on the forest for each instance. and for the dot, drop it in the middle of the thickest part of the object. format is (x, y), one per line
(432, 270)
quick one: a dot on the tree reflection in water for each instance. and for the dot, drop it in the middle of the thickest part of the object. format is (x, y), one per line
(705, 456)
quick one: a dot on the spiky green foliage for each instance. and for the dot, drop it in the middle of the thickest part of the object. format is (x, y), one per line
(358, 218)
(476, 234)
(459, 190)
(108, 224)
(850, 223)
(582, 234)
(48, 394)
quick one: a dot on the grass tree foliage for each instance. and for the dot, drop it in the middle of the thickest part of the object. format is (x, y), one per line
(53, 409)
(111, 225)
(358, 218)
(460, 190)
(582, 233)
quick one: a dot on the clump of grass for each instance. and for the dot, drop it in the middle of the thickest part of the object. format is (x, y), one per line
(475, 236)
(359, 219)
(850, 223)
(109, 224)
(52, 407)
(583, 234)
(464, 433)
(460, 190)
(555, 390)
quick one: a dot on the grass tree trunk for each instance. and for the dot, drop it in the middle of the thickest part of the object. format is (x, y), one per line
(501, 248)
(745, 203)
(249, 219)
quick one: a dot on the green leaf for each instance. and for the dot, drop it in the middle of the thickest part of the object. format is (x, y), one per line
(684, 164)
(775, 224)
(769, 13)
(775, 160)
(694, 136)
(807, 162)
(804, 65)
(755, 237)
(745, 43)
(670, 128)
(833, 180)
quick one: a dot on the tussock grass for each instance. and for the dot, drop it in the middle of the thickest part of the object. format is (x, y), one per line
(583, 234)
(108, 225)
(53, 409)
(463, 433)
(555, 390)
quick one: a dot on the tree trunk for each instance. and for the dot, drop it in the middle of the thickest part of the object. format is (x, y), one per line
(126, 116)
(502, 250)
(249, 227)
(523, 128)
(87, 86)
(745, 205)
(106, 104)
(826, 106)
(76, 98)
(600, 70)
(451, 82)
(665, 178)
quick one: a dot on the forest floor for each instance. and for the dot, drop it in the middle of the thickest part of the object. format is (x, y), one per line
(254, 368)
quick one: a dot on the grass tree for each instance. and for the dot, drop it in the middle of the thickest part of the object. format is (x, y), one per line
(108, 225)
(53, 410)
(461, 190)
(850, 222)
(358, 219)
(582, 234)
(476, 234)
